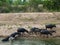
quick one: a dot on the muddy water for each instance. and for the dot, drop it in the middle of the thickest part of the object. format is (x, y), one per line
(32, 42)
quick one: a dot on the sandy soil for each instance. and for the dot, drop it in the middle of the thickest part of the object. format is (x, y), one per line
(10, 22)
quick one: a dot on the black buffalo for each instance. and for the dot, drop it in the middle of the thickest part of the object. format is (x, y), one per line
(21, 30)
(50, 26)
(12, 36)
(35, 30)
(52, 31)
(6, 39)
(47, 32)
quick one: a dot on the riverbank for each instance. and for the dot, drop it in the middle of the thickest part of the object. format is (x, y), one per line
(10, 22)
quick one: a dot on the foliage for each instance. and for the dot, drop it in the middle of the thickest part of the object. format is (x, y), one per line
(29, 6)
(52, 5)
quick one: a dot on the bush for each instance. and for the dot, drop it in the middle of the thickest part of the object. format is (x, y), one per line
(4, 10)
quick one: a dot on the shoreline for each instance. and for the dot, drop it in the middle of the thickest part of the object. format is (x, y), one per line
(32, 36)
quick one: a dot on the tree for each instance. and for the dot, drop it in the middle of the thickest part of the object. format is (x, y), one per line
(53, 5)
(33, 5)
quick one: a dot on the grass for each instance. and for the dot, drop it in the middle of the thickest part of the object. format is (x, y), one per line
(58, 18)
(1, 24)
(9, 28)
(29, 27)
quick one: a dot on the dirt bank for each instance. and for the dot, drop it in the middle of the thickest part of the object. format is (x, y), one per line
(9, 22)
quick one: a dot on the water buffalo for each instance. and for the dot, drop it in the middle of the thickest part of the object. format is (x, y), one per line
(21, 30)
(50, 26)
(35, 30)
(47, 32)
(52, 31)
(12, 36)
(15, 34)
(6, 39)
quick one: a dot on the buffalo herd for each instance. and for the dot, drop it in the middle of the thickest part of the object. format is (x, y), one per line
(33, 30)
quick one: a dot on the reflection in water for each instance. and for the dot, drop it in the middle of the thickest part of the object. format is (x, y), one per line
(26, 42)
(52, 42)
(32, 42)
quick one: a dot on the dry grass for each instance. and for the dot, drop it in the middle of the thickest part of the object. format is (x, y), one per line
(27, 20)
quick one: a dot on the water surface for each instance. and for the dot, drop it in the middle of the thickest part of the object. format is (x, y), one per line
(32, 42)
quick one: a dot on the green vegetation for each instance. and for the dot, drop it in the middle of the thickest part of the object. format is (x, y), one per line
(52, 41)
(29, 5)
